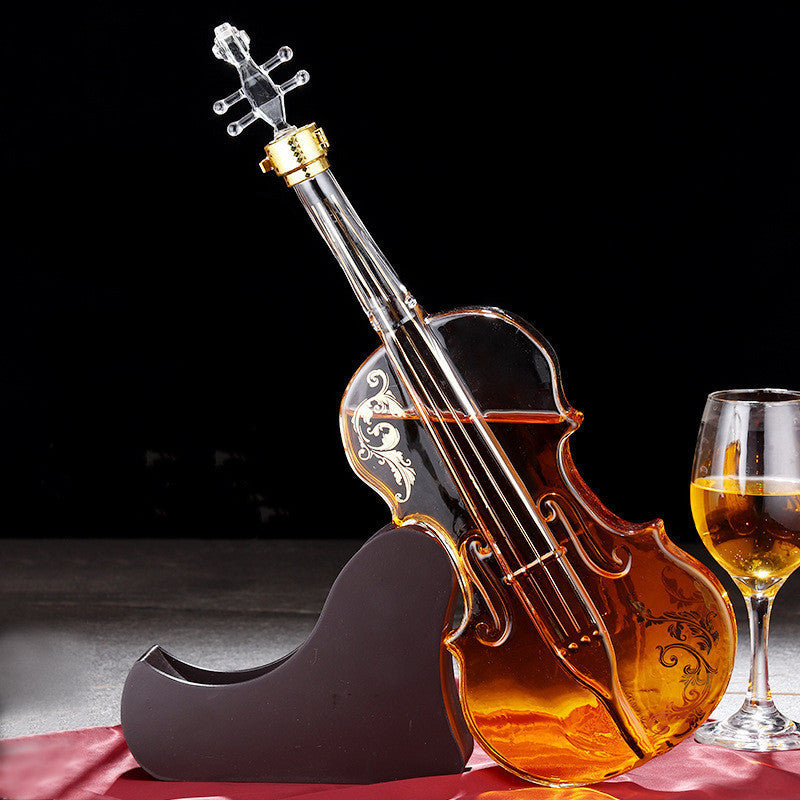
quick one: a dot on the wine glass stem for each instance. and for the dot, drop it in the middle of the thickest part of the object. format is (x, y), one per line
(759, 608)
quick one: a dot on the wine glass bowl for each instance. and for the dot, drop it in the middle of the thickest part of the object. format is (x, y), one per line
(745, 499)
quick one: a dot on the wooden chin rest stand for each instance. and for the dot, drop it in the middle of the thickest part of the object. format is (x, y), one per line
(370, 696)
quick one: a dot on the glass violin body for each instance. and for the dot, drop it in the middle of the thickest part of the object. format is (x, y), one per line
(665, 619)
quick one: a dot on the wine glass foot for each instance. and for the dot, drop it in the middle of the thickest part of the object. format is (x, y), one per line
(752, 728)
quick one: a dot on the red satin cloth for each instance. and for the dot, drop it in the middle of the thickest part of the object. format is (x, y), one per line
(95, 764)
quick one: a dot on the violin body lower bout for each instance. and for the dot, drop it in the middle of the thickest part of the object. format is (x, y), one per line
(562, 686)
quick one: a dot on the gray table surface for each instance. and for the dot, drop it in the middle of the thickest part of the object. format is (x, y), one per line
(77, 613)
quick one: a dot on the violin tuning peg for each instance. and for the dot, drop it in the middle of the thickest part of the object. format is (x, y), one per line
(299, 79)
(221, 106)
(284, 54)
(235, 128)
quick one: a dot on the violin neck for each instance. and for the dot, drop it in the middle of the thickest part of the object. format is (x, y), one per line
(415, 352)
(390, 307)
(384, 299)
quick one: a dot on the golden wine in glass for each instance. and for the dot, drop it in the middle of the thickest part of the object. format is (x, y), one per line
(745, 497)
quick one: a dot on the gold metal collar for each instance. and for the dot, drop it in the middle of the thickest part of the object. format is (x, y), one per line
(298, 155)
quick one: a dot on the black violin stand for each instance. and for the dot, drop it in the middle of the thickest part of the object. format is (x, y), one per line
(370, 696)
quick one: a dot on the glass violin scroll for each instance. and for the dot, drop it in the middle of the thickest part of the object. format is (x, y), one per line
(263, 94)
(294, 154)
(588, 644)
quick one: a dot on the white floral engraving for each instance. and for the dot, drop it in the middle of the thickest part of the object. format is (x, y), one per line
(379, 439)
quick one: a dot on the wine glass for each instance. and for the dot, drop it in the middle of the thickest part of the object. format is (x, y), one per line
(745, 497)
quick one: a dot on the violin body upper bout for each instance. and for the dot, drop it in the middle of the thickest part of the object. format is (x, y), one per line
(664, 622)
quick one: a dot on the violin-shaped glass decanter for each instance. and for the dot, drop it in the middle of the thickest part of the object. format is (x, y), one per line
(588, 644)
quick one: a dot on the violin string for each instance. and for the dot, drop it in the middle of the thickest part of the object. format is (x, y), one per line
(454, 446)
(359, 286)
(388, 280)
(367, 266)
(465, 463)
(360, 245)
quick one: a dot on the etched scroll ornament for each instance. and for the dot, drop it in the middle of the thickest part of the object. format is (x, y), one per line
(379, 439)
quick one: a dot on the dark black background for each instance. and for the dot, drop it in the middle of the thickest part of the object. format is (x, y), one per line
(176, 337)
